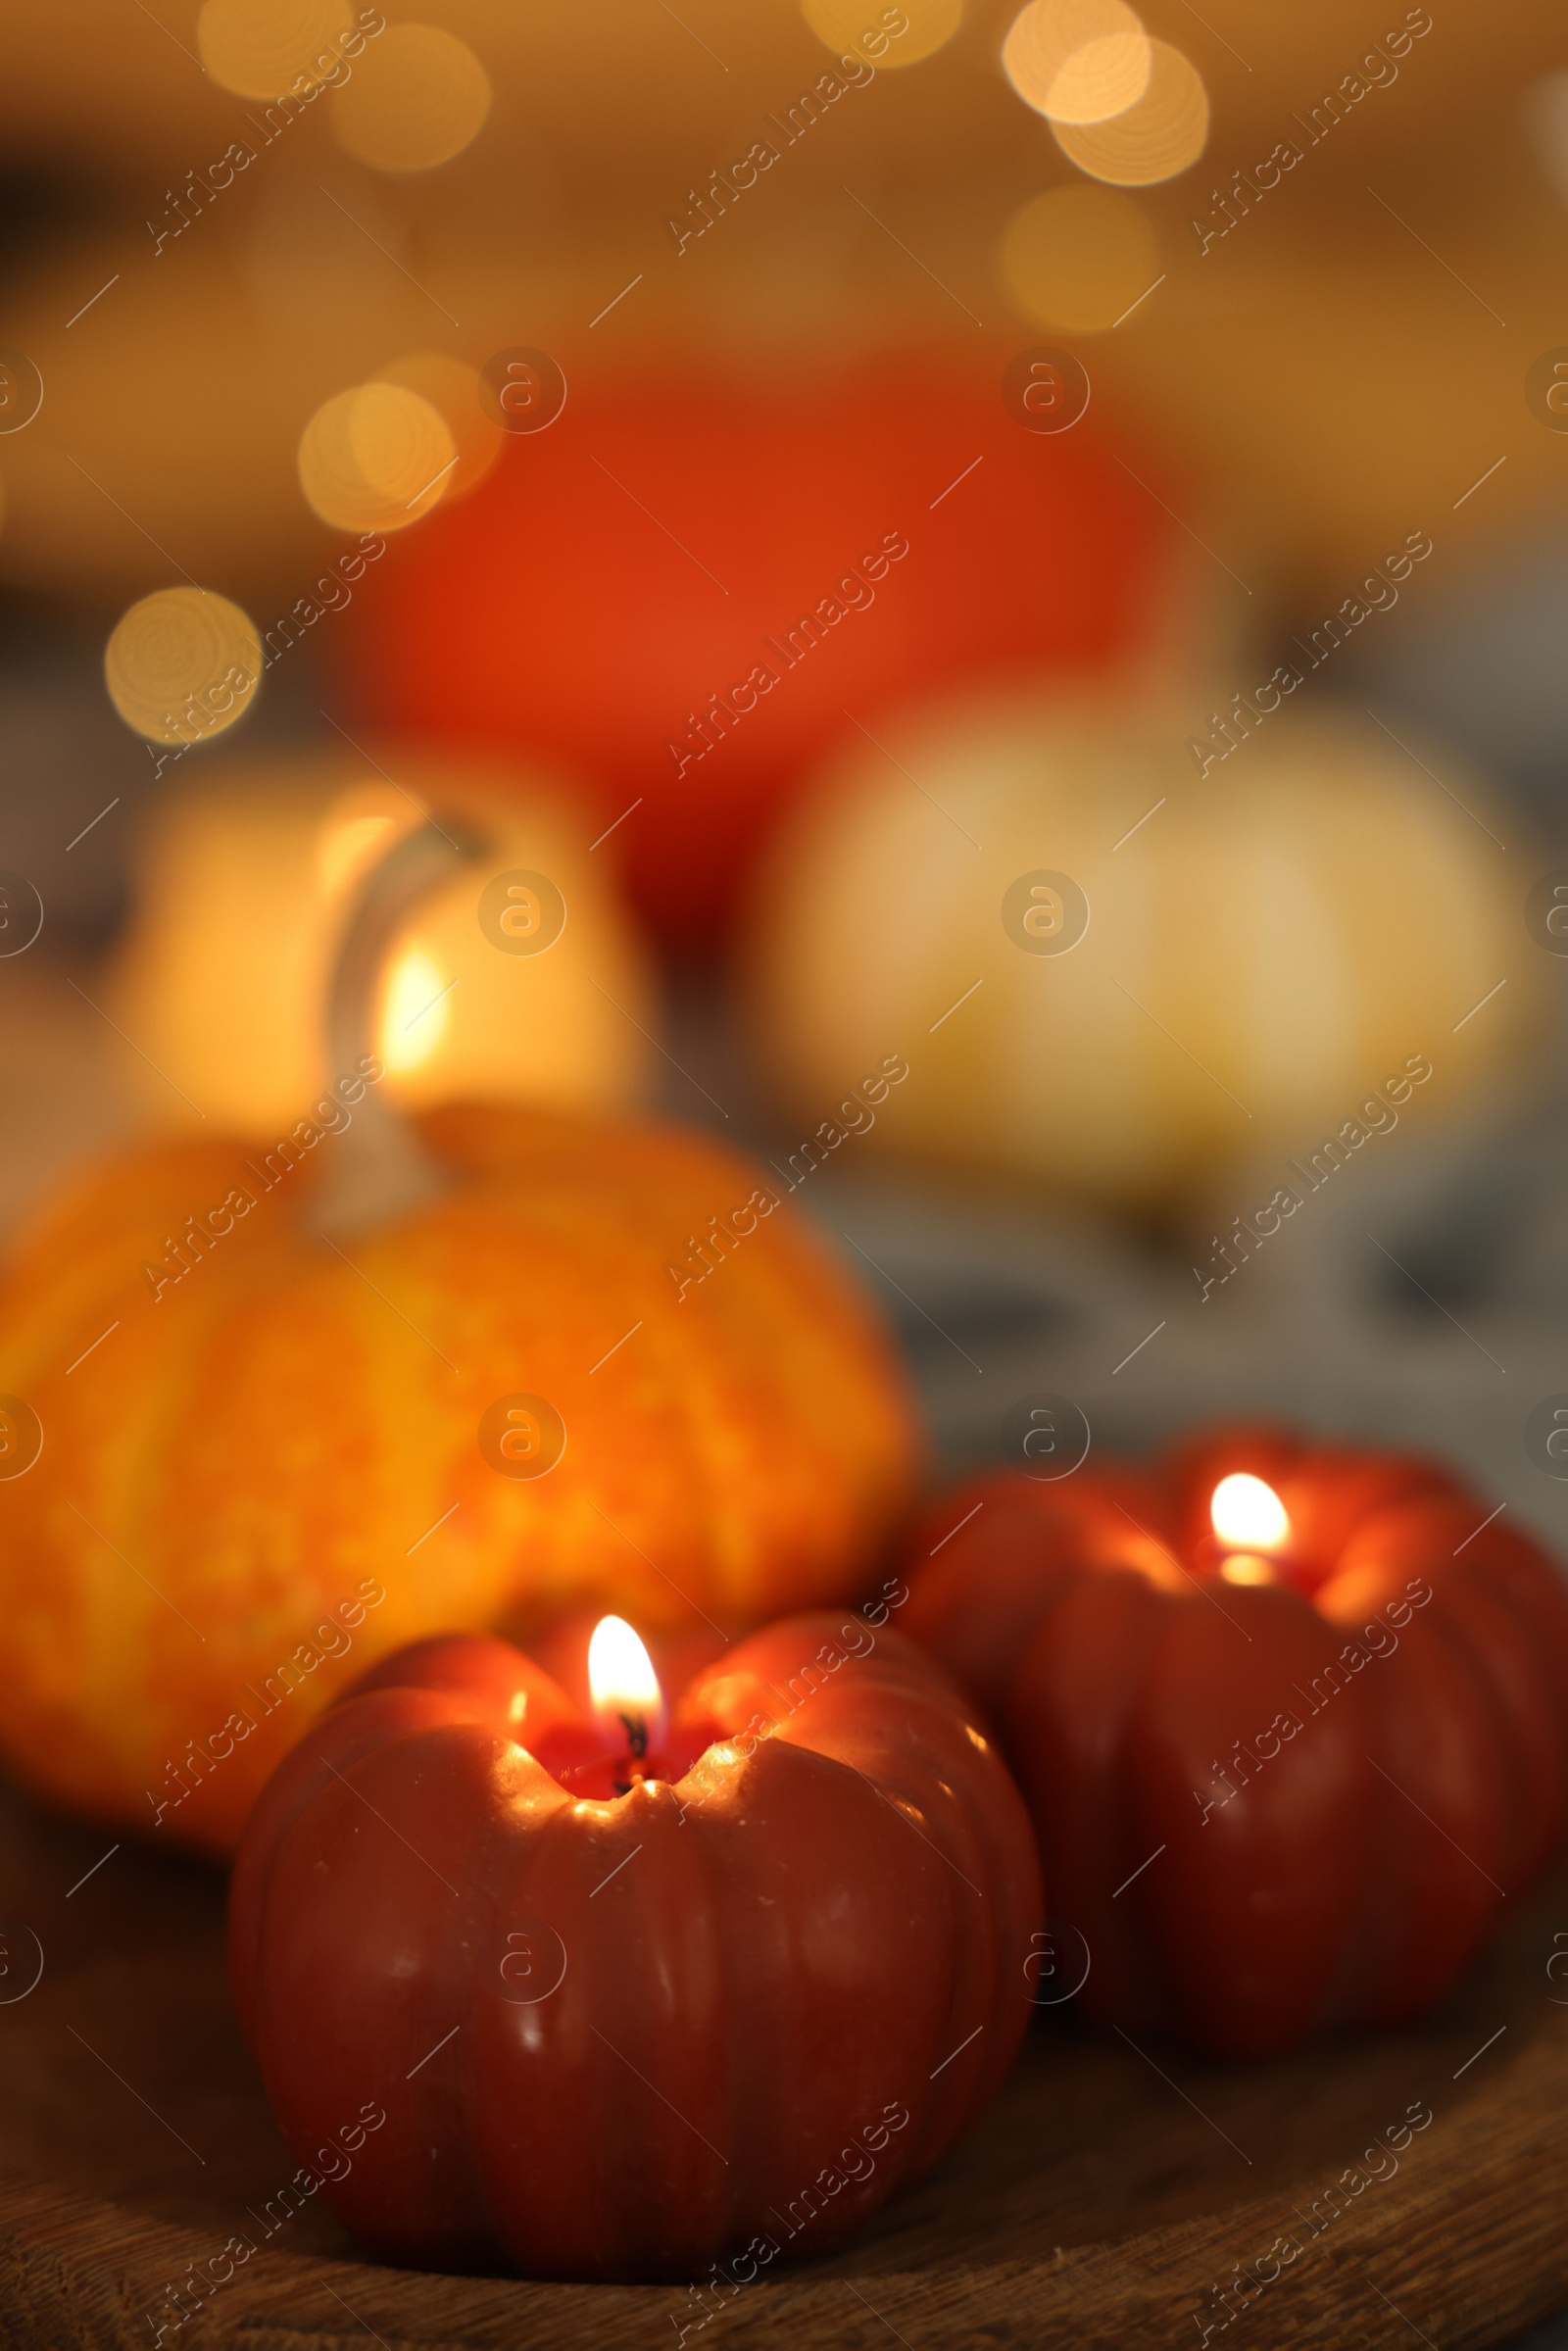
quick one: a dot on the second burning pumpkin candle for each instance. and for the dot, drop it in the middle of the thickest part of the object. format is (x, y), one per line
(1288, 1719)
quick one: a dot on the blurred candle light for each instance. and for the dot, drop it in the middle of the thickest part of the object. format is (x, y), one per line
(375, 458)
(1247, 1514)
(260, 48)
(1249, 1520)
(1077, 61)
(860, 28)
(1078, 258)
(1161, 134)
(182, 665)
(416, 100)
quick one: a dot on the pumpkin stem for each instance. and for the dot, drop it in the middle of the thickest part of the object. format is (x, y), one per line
(380, 1168)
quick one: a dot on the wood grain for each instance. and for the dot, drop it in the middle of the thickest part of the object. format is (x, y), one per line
(1104, 2202)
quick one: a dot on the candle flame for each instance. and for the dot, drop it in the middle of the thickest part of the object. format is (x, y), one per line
(1248, 1515)
(620, 1673)
(415, 1014)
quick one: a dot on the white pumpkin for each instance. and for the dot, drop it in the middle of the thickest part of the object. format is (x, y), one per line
(251, 882)
(1110, 972)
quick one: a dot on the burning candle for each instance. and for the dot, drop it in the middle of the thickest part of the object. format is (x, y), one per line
(627, 1695)
(639, 1985)
(1288, 1718)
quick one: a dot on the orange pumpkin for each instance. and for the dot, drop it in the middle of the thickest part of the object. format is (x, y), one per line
(256, 1477)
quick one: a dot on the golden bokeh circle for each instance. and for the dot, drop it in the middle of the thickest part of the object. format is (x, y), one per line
(451, 387)
(859, 29)
(1078, 258)
(1078, 61)
(260, 48)
(416, 100)
(375, 458)
(1162, 134)
(182, 665)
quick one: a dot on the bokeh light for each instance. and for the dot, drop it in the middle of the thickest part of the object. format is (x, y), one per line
(416, 99)
(1078, 258)
(260, 48)
(452, 388)
(1160, 135)
(182, 665)
(1077, 61)
(860, 28)
(375, 458)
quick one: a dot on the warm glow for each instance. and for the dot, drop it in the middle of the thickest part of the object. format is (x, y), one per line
(1160, 135)
(620, 1673)
(260, 48)
(1077, 61)
(414, 1013)
(1246, 1567)
(859, 28)
(182, 665)
(375, 458)
(416, 99)
(1248, 1515)
(350, 848)
(1078, 258)
(452, 388)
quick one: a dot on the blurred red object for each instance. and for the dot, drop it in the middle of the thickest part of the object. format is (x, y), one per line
(625, 585)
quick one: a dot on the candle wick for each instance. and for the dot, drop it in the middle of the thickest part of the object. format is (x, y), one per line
(635, 1727)
(636, 1730)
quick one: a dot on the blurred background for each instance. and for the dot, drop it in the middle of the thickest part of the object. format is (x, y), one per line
(999, 578)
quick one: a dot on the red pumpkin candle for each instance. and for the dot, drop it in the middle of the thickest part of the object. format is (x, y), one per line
(634, 1992)
(1290, 1720)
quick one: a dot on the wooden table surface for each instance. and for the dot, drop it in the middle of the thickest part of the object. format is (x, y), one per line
(1105, 2200)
